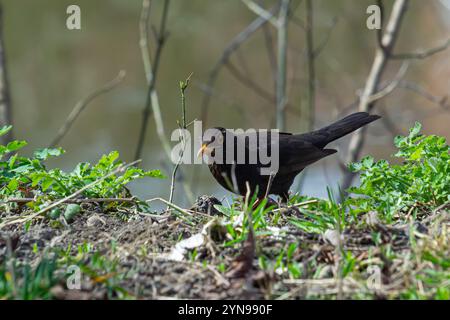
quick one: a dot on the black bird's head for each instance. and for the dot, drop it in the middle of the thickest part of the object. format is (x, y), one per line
(214, 140)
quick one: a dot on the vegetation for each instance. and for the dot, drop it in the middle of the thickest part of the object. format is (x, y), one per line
(387, 238)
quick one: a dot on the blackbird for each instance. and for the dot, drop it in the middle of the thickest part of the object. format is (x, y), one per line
(295, 152)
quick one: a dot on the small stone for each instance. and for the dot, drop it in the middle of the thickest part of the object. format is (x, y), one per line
(205, 204)
(332, 237)
(372, 219)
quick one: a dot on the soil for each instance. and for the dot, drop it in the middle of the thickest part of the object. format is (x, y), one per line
(141, 247)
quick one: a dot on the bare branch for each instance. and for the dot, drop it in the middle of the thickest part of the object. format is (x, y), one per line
(310, 56)
(327, 37)
(423, 54)
(261, 12)
(232, 46)
(81, 105)
(391, 86)
(441, 101)
(373, 80)
(282, 43)
(183, 86)
(380, 30)
(249, 83)
(268, 40)
(388, 123)
(5, 97)
(151, 71)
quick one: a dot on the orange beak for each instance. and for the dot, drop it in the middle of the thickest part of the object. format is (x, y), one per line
(202, 150)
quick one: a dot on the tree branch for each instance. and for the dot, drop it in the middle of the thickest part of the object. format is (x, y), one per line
(423, 54)
(382, 55)
(232, 46)
(151, 71)
(82, 104)
(5, 97)
(282, 43)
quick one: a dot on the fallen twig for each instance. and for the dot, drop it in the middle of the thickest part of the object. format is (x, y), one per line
(301, 204)
(89, 200)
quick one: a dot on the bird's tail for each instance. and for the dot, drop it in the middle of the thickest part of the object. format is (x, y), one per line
(341, 128)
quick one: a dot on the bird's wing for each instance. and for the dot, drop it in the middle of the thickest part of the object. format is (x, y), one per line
(294, 153)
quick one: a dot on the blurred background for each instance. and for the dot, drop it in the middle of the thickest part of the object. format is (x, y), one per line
(50, 68)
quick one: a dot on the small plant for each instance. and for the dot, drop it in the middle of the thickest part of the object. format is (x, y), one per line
(28, 177)
(22, 281)
(100, 269)
(320, 215)
(423, 178)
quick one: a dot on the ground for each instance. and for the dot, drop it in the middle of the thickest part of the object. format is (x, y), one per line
(131, 256)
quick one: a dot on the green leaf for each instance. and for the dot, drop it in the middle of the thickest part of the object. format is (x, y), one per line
(47, 183)
(398, 141)
(414, 131)
(224, 210)
(155, 174)
(367, 161)
(416, 155)
(4, 130)
(44, 154)
(15, 145)
(13, 185)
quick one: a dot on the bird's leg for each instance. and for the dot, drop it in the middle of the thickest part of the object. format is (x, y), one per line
(285, 198)
(256, 203)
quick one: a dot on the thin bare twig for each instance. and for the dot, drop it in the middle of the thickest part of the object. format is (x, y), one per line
(421, 55)
(318, 50)
(391, 86)
(175, 207)
(269, 184)
(5, 97)
(380, 5)
(382, 55)
(388, 123)
(183, 86)
(82, 104)
(151, 71)
(310, 56)
(271, 55)
(232, 46)
(441, 101)
(282, 43)
(297, 205)
(255, 87)
(261, 12)
(88, 200)
(224, 60)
